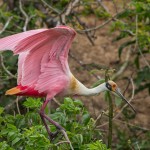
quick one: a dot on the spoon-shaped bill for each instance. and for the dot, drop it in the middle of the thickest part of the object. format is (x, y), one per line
(117, 91)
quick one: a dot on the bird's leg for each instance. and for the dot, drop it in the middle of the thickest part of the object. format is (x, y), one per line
(42, 115)
(46, 126)
(51, 135)
(62, 130)
(53, 122)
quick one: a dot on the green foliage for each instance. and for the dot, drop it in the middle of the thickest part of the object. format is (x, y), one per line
(134, 27)
(32, 103)
(26, 132)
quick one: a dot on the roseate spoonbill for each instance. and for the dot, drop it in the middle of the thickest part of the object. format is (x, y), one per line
(43, 68)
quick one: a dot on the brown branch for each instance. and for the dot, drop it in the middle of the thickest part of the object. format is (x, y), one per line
(50, 7)
(27, 18)
(68, 10)
(55, 100)
(103, 6)
(18, 109)
(6, 24)
(85, 27)
(115, 6)
(113, 18)
(9, 106)
(66, 137)
(5, 69)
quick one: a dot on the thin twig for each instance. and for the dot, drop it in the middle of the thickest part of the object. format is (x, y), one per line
(85, 27)
(129, 124)
(50, 7)
(115, 6)
(61, 142)
(6, 24)
(27, 18)
(101, 25)
(66, 137)
(18, 109)
(68, 10)
(5, 69)
(103, 6)
(99, 117)
(9, 106)
(55, 100)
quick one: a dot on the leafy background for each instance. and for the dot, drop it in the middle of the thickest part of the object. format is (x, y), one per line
(112, 35)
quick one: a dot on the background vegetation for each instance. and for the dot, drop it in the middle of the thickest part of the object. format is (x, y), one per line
(20, 124)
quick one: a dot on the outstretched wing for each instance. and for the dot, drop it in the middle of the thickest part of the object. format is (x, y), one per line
(10, 43)
(42, 57)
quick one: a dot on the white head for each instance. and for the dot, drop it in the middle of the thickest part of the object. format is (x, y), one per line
(112, 86)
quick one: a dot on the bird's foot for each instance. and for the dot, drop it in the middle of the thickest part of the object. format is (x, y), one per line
(53, 135)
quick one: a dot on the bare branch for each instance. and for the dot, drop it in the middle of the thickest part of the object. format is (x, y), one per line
(55, 100)
(86, 32)
(68, 10)
(50, 7)
(27, 18)
(66, 137)
(103, 6)
(101, 25)
(6, 24)
(5, 69)
(18, 109)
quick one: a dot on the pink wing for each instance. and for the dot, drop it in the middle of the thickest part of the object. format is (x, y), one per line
(10, 42)
(44, 56)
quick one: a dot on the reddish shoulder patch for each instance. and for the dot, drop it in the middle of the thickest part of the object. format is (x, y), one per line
(29, 91)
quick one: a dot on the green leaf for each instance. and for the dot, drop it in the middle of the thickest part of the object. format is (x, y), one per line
(1, 110)
(32, 103)
(5, 146)
(15, 140)
(78, 103)
(85, 119)
(98, 145)
(78, 138)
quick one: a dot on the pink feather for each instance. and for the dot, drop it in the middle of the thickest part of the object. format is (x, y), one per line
(43, 55)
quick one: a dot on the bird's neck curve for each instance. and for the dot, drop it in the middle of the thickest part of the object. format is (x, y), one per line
(91, 91)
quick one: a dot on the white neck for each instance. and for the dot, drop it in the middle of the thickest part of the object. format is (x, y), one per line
(93, 91)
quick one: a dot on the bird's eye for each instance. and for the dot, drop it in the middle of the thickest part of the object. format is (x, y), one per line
(108, 86)
(114, 85)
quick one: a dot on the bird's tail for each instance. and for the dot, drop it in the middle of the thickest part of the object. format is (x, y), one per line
(13, 91)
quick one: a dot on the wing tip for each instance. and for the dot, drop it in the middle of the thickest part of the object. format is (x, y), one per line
(67, 28)
(13, 91)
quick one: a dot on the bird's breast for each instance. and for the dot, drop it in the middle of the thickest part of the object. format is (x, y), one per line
(73, 86)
